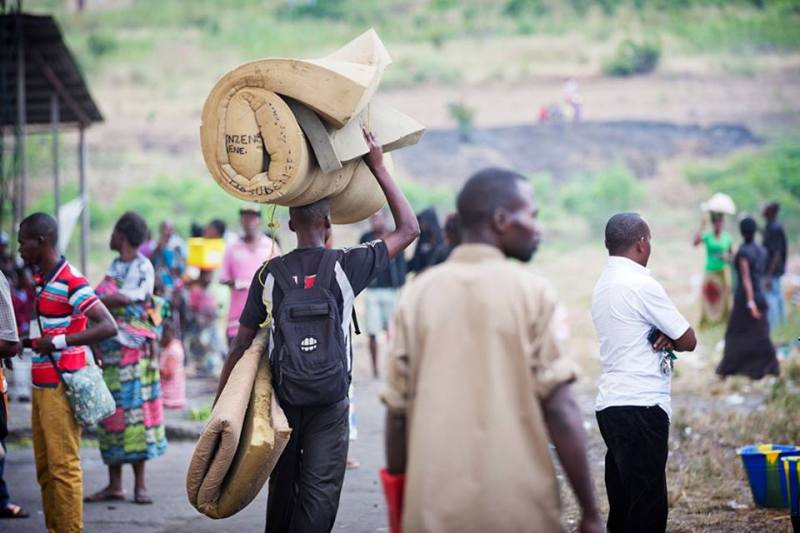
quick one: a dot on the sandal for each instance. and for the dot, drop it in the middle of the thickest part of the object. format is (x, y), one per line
(13, 511)
(142, 498)
(105, 495)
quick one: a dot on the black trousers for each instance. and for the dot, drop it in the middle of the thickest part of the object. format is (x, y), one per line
(305, 485)
(636, 479)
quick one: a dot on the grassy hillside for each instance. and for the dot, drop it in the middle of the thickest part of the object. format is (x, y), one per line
(427, 36)
(150, 64)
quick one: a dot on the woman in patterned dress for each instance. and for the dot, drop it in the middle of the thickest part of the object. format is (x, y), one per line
(135, 432)
(715, 294)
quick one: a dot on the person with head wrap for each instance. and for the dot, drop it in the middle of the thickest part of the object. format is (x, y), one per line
(716, 289)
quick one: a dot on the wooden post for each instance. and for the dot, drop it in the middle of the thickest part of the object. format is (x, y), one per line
(19, 192)
(55, 119)
(85, 197)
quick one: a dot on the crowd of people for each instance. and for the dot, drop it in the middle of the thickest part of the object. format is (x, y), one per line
(742, 290)
(477, 386)
(153, 318)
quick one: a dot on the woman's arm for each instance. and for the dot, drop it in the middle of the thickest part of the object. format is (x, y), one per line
(747, 284)
(112, 301)
(698, 237)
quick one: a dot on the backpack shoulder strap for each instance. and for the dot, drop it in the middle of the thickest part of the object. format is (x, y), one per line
(282, 275)
(326, 268)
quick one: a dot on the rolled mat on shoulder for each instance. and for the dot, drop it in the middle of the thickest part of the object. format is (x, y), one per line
(242, 441)
(288, 131)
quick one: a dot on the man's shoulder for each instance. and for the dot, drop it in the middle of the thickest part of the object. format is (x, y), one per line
(70, 275)
(361, 250)
(627, 281)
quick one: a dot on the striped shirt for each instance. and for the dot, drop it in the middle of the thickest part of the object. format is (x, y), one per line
(62, 300)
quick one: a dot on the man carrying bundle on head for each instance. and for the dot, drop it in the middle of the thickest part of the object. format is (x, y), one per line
(306, 299)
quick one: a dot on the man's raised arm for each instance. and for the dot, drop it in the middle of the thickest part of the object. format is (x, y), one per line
(405, 221)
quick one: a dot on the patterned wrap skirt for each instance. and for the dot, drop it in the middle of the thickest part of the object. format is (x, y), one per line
(715, 298)
(135, 432)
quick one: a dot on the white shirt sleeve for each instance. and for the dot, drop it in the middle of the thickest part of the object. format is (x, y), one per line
(140, 281)
(659, 310)
(8, 324)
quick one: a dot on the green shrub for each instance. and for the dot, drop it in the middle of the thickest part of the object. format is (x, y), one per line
(596, 197)
(422, 196)
(519, 8)
(199, 414)
(464, 115)
(633, 58)
(324, 9)
(101, 44)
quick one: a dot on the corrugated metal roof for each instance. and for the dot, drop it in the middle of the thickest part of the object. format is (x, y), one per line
(49, 67)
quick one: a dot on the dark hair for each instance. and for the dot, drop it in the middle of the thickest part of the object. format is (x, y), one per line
(41, 225)
(623, 230)
(773, 208)
(484, 192)
(195, 229)
(748, 227)
(716, 216)
(311, 214)
(133, 227)
(219, 225)
(452, 229)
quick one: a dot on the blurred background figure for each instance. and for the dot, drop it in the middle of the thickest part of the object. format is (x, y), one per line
(171, 367)
(9, 347)
(23, 294)
(169, 257)
(775, 244)
(430, 238)
(748, 348)
(7, 262)
(169, 262)
(206, 349)
(381, 294)
(452, 238)
(215, 229)
(715, 294)
(243, 257)
(572, 99)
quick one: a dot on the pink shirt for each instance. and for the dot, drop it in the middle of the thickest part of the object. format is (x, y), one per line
(173, 388)
(239, 265)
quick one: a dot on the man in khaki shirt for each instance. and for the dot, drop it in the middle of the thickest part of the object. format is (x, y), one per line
(476, 381)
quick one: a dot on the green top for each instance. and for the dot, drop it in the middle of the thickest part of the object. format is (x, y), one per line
(715, 249)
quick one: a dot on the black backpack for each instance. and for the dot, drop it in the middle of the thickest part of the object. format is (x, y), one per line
(309, 360)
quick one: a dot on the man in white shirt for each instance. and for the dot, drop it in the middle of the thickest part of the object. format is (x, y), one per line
(633, 400)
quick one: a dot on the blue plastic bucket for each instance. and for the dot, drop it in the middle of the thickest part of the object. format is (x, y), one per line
(765, 472)
(791, 471)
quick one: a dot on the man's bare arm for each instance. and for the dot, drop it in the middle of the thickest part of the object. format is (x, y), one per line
(406, 225)
(565, 426)
(101, 327)
(8, 348)
(241, 342)
(396, 448)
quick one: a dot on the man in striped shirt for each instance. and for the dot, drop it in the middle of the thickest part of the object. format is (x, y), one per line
(65, 302)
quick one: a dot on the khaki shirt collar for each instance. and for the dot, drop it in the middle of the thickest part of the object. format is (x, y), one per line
(476, 253)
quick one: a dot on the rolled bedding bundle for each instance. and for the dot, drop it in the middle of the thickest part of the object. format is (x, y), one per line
(242, 441)
(288, 131)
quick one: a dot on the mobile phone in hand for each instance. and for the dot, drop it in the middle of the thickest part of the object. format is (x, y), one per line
(653, 335)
